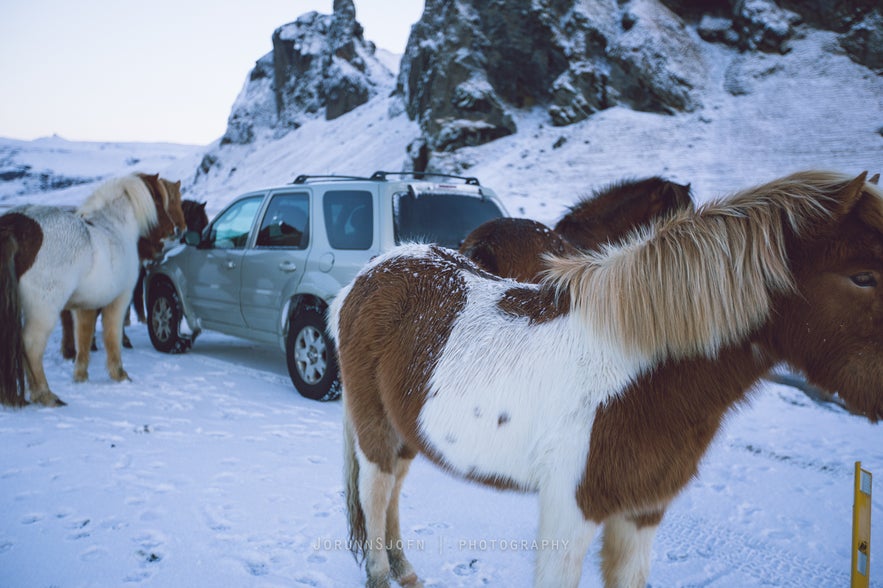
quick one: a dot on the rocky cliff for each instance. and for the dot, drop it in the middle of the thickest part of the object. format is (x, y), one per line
(469, 62)
(320, 65)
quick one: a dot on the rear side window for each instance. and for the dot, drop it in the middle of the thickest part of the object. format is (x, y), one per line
(440, 218)
(349, 219)
(286, 222)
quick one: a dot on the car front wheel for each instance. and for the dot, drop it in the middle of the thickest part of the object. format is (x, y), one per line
(312, 361)
(164, 320)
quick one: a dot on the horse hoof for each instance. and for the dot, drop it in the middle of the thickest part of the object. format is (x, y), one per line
(120, 376)
(81, 376)
(48, 399)
(410, 581)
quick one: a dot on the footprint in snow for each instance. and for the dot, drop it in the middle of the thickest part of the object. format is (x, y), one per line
(93, 554)
(257, 568)
(466, 569)
(30, 519)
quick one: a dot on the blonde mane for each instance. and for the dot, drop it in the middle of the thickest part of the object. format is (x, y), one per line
(133, 189)
(701, 279)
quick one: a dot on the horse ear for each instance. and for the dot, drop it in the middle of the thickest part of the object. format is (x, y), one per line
(851, 195)
(875, 179)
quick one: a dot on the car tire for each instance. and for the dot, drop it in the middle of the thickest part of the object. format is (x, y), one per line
(311, 357)
(164, 317)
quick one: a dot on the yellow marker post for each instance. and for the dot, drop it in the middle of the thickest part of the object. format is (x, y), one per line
(861, 529)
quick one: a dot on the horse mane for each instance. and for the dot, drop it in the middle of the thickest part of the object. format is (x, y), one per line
(135, 190)
(700, 279)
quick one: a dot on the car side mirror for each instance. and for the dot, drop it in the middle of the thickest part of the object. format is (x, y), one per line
(192, 237)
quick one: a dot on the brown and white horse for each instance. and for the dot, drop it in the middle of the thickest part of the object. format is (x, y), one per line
(601, 388)
(84, 260)
(516, 247)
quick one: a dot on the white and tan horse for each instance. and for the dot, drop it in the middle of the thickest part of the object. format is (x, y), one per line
(601, 388)
(55, 259)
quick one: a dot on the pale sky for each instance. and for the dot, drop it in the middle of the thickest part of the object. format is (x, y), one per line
(148, 70)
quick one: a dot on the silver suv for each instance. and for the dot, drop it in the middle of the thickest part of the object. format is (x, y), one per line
(268, 265)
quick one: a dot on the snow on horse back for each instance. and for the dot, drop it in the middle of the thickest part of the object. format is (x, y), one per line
(547, 387)
(56, 259)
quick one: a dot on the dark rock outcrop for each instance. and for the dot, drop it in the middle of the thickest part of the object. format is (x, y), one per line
(768, 25)
(469, 61)
(864, 41)
(320, 65)
(470, 64)
(655, 64)
(761, 25)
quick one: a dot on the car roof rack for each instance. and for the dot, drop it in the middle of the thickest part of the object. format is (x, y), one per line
(304, 178)
(381, 175)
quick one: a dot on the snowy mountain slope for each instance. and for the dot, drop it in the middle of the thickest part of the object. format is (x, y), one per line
(809, 108)
(56, 171)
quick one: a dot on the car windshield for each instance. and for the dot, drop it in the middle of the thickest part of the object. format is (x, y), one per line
(443, 218)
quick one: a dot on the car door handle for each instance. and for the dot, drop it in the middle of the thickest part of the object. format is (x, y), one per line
(231, 264)
(288, 266)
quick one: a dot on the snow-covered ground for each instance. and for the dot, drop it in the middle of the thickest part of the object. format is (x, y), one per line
(208, 469)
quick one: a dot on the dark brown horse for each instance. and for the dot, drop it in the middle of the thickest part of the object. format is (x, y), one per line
(515, 248)
(196, 220)
(602, 387)
(612, 212)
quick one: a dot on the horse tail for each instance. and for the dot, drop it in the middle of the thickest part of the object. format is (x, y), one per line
(358, 534)
(12, 372)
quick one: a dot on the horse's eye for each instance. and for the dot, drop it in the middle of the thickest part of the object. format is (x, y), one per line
(864, 279)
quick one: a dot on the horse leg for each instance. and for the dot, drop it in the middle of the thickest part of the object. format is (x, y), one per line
(376, 464)
(138, 296)
(563, 539)
(85, 323)
(625, 554)
(375, 494)
(94, 345)
(68, 345)
(35, 336)
(112, 317)
(400, 568)
(126, 322)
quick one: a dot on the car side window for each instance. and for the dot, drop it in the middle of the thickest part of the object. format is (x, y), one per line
(286, 222)
(230, 230)
(349, 219)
